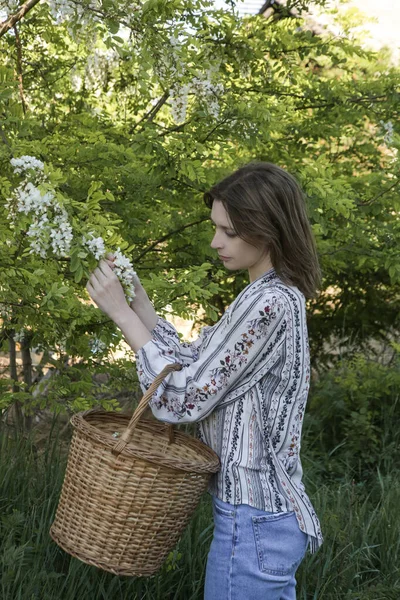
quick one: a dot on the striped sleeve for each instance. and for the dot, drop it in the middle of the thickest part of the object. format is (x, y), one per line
(184, 352)
(191, 394)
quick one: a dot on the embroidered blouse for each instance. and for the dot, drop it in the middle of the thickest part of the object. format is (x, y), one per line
(245, 382)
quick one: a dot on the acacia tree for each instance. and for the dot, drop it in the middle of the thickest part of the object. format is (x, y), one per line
(137, 109)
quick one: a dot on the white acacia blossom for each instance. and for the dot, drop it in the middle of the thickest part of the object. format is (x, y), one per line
(96, 345)
(203, 85)
(95, 245)
(388, 128)
(208, 91)
(61, 235)
(31, 200)
(125, 273)
(203, 88)
(179, 99)
(63, 10)
(76, 80)
(98, 65)
(49, 227)
(49, 220)
(123, 267)
(38, 232)
(19, 336)
(24, 163)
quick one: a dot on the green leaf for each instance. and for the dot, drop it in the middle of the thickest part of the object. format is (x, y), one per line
(75, 262)
(113, 26)
(78, 274)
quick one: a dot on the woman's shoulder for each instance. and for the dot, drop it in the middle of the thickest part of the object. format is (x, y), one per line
(274, 291)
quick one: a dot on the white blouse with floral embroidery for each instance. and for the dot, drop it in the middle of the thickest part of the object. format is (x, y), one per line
(245, 381)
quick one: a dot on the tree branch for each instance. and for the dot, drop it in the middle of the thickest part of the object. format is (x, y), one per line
(10, 22)
(149, 116)
(4, 138)
(371, 200)
(172, 129)
(209, 134)
(165, 237)
(353, 99)
(19, 70)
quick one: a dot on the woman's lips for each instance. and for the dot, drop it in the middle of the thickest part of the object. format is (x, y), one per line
(224, 257)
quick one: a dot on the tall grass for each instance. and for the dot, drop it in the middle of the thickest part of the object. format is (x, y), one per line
(360, 559)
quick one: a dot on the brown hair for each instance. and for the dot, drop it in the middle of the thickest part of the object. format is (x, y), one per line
(267, 208)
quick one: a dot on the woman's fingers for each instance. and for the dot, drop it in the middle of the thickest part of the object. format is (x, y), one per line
(136, 280)
(91, 290)
(98, 277)
(101, 273)
(109, 259)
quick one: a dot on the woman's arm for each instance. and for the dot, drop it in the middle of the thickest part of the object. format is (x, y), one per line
(134, 330)
(139, 322)
(233, 355)
(142, 306)
(161, 329)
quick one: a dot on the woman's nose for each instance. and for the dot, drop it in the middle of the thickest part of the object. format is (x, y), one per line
(215, 243)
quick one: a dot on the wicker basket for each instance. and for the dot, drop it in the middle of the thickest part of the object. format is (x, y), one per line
(126, 500)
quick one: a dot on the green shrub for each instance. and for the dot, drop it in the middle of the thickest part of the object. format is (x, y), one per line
(351, 420)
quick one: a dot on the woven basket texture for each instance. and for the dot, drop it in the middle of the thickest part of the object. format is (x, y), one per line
(125, 501)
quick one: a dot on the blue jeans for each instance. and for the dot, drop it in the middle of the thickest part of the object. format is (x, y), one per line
(254, 554)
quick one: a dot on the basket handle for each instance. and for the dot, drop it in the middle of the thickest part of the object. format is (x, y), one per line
(118, 448)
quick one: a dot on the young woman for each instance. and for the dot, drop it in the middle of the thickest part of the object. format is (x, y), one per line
(245, 381)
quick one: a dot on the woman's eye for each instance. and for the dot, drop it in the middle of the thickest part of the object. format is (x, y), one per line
(228, 233)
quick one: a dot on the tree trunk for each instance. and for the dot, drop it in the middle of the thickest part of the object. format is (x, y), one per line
(15, 411)
(27, 373)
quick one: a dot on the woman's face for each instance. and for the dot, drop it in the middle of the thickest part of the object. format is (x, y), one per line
(234, 252)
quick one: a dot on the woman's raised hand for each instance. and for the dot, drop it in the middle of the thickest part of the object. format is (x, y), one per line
(110, 261)
(140, 292)
(106, 290)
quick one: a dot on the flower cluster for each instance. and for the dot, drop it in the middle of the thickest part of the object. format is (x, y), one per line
(208, 91)
(95, 245)
(63, 10)
(123, 267)
(388, 128)
(202, 85)
(97, 346)
(31, 199)
(61, 235)
(23, 163)
(125, 272)
(76, 80)
(49, 227)
(179, 99)
(98, 65)
(19, 336)
(203, 88)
